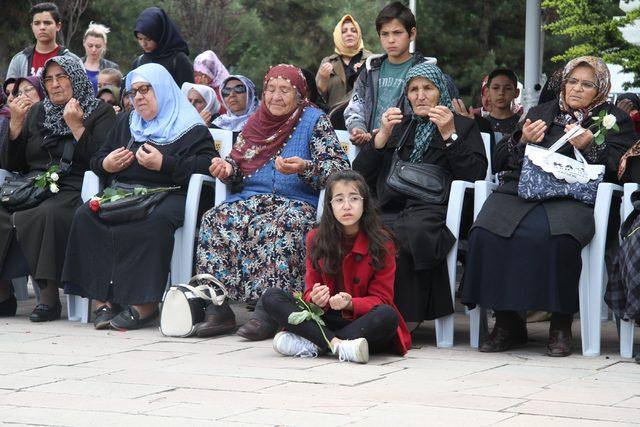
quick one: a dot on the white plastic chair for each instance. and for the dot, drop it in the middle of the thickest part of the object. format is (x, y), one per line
(79, 308)
(445, 324)
(627, 327)
(592, 275)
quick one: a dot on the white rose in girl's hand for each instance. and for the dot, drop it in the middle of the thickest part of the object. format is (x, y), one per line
(54, 177)
(608, 121)
(53, 188)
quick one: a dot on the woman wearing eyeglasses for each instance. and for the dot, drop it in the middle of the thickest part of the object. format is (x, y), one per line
(525, 255)
(26, 92)
(239, 98)
(253, 240)
(160, 143)
(33, 241)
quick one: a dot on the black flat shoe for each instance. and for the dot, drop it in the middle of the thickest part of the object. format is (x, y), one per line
(9, 307)
(129, 319)
(559, 344)
(46, 313)
(104, 314)
(502, 339)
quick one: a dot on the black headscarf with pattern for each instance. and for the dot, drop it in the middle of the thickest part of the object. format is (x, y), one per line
(54, 121)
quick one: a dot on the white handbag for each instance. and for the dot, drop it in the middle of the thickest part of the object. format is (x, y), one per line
(183, 305)
(546, 174)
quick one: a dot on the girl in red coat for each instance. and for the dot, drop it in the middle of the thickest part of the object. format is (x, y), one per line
(350, 271)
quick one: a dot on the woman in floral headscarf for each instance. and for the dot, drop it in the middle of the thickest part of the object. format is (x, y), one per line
(254, 240)
(338, 72)
(432, 134)
(525, 255)
(69, 120)
(210, 71)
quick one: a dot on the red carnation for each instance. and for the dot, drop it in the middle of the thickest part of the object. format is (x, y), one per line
(94, 205)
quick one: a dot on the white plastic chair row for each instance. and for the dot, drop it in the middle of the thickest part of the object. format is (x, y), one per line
(592, 275)
(627, 327)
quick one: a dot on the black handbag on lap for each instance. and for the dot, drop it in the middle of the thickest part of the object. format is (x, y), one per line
(427, 182)
(132, 208)
(21, 192)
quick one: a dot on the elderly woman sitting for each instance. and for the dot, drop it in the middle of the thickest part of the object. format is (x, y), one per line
(430, 134)
(525, 255)
(254, 240)
(69, 120)
(203, 99)
(161, 143)
(240, 100)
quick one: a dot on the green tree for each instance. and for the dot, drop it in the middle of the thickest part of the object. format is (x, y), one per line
(593, 26)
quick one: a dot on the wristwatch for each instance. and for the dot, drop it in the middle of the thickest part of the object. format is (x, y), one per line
(453, 138)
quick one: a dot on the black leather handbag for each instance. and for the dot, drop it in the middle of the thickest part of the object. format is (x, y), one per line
(132, 208)
(423, 181)
(20, 192)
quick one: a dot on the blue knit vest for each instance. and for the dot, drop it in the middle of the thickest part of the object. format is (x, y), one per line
(267, 180)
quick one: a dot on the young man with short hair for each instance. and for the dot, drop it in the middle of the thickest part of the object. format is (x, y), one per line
(45, 24)
(380, 84)
(502, 90)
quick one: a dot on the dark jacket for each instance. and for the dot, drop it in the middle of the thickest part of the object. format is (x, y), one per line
(465, 158)
(364, 98)
(178, 65)
(504, 210)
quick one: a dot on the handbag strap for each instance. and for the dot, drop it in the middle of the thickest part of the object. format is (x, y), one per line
(199, 290)
(67, 157)
(575, 131)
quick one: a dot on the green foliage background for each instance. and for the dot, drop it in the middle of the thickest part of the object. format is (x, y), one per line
(468, 37)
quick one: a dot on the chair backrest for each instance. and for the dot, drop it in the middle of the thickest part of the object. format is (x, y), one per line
(486, 139)
(347, 145)
(223, 140)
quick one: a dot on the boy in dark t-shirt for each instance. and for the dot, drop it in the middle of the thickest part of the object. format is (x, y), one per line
(503, 89)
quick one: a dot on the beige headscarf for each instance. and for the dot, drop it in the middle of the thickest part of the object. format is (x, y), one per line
(603, 81)
(341, 49)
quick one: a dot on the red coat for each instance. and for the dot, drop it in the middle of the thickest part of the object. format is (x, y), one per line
(367, 286)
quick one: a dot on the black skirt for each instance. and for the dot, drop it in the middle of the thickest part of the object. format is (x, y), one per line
(39, 238)
(421, 286)
(531, 270)
(126, 263)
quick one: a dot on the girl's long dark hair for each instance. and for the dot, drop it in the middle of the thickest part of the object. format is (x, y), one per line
(327, 244)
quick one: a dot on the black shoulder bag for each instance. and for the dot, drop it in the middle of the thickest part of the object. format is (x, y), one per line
(20, 192)
(423, 181)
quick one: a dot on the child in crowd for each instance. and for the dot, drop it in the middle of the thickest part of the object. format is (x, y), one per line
(350, 274)
(46, 22)
(502, 90)
(109, 77)
(380, 85)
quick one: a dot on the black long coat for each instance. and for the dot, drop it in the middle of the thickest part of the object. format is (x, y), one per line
(41, 232)
(423, 238)
(503, 210)
(129, 263)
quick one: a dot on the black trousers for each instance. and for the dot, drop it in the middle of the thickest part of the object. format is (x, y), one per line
(378, 326)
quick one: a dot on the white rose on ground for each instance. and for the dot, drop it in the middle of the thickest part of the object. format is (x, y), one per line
(53, 188)
(54, 177)
(608, 121)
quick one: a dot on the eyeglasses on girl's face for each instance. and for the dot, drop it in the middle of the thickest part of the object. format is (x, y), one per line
(226, 91)
(143, 90)
(341, 201)
(58, 77)
(26, 91)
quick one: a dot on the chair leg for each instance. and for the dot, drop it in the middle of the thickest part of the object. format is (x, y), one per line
(78, 308)
(20, 288)
(626, 338)
(444, 331)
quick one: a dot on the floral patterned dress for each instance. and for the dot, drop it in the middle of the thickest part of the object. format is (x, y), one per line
(257, 242)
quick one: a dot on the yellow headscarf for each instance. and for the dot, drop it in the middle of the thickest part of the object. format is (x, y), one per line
(341, 49)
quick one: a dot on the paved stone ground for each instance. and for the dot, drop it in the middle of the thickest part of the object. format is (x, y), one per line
(66, 373)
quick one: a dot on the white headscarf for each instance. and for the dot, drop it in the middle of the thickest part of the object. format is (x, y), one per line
(208, 94)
